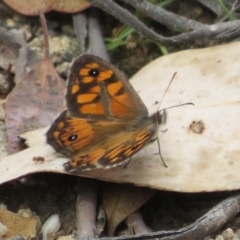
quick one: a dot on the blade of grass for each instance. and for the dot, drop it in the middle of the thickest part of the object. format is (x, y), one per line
(162, 48)
(228, 13)
(161, 4)
(126, 31)
(113, 45)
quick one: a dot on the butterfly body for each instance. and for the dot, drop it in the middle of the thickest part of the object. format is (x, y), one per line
(105, 122)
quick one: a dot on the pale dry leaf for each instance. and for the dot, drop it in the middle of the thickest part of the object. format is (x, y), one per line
(197, 160)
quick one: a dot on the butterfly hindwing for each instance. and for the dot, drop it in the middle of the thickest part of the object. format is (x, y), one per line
(110, 157)
(69, 135)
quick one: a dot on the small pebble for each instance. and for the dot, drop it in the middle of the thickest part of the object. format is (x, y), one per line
(3, 229)
(3, 206)
(238, 233)
(26, 213)
(68, 237)
(235, 238)
(50, 227)
(219, 237)
(228, 234)
(10, 23)
(63, 68)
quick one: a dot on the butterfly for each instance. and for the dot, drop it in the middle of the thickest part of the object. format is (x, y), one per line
(105, 121)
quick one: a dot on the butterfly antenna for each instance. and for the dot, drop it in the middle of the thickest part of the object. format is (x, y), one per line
(165, 94)
(179, 105)
(164, 109)
(164, 116)
(166, 90)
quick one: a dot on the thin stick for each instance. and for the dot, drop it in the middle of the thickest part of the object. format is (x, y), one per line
(45, 34)
(136, 222)
(86, 208)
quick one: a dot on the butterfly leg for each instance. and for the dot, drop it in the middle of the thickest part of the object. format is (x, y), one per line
(159, 150)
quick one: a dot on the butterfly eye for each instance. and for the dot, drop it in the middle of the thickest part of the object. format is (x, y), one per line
(72, 137)
(93, 72)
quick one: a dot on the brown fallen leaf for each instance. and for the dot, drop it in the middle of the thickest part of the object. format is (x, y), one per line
(17, 225)
(33, 7)
(35, 101)
(121, 200)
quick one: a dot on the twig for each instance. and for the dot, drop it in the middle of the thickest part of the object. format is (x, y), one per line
(45, 34)
(215, 33)
(89, 34)
(168, 19)
(126, 17)
(21, 62)
(213, 6)
(222, 17)
(80, 27)
(202, 227)
(90, 39)
(17, 39)
(137, 223)
(96, 43)
(86, 208)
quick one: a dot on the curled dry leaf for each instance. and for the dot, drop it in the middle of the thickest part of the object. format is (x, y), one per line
(121, 200)
(33, 7)
(201, 143)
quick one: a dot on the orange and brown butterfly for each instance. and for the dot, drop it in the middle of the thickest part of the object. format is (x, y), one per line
(105, 122)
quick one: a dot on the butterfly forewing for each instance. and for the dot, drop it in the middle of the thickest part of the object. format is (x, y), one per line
(98, 90)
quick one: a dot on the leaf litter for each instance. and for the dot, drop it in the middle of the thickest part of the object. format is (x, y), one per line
(38, 105)
(35, 101)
